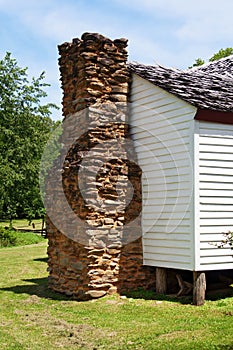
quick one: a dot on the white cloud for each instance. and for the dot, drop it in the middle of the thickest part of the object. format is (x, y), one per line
(173, 33)
(193, 23)
(199, 27)
(56, 24)
(206, 30)
(181, 8)
(199, 20)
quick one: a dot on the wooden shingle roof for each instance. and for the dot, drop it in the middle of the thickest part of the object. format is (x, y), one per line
(206, 87)
(223, 67)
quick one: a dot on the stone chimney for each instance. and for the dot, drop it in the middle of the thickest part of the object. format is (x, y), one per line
(95, 245)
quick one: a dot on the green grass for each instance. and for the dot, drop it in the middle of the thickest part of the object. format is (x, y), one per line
(22, 223)
(26, 238)
(32, 317)
(10, 238)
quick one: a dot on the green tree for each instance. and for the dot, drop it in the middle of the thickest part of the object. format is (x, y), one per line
(25, 126)
(220, 54)
(198, 62)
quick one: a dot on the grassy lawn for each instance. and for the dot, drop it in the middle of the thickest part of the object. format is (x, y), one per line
(34, 318)
(23, 223)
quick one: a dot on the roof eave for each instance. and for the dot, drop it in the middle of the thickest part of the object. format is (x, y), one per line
(214, 116)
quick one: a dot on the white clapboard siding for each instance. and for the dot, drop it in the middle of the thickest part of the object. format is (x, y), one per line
(216, 215)
(172, 237)
(215, 200)
(163, 260)
(216, 252)
(160, 127)
(211, 238)
(216, 231)
(216, 130)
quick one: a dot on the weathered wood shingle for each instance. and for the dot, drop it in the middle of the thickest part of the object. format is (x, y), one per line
(206, 87)
(223, 67)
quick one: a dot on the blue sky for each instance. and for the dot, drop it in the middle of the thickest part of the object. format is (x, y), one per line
(170, 32)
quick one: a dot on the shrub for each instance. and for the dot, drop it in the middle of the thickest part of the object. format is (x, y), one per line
(26, 238)
(228, 240)
(8, 237)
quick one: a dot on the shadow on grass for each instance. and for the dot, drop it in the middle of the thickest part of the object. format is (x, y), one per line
(151, 295)
(45, 260)
(219, 294)
(184, 300)
(39, 288)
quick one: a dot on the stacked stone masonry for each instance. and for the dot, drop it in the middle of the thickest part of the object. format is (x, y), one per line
(102, 253)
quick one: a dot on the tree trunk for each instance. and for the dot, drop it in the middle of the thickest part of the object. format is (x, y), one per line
(161, 280)
(199, 288)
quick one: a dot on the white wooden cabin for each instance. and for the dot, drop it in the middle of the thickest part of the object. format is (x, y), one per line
(182, 126)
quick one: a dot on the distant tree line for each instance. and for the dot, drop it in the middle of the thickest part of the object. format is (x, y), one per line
(220, 54)
(25, 126)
